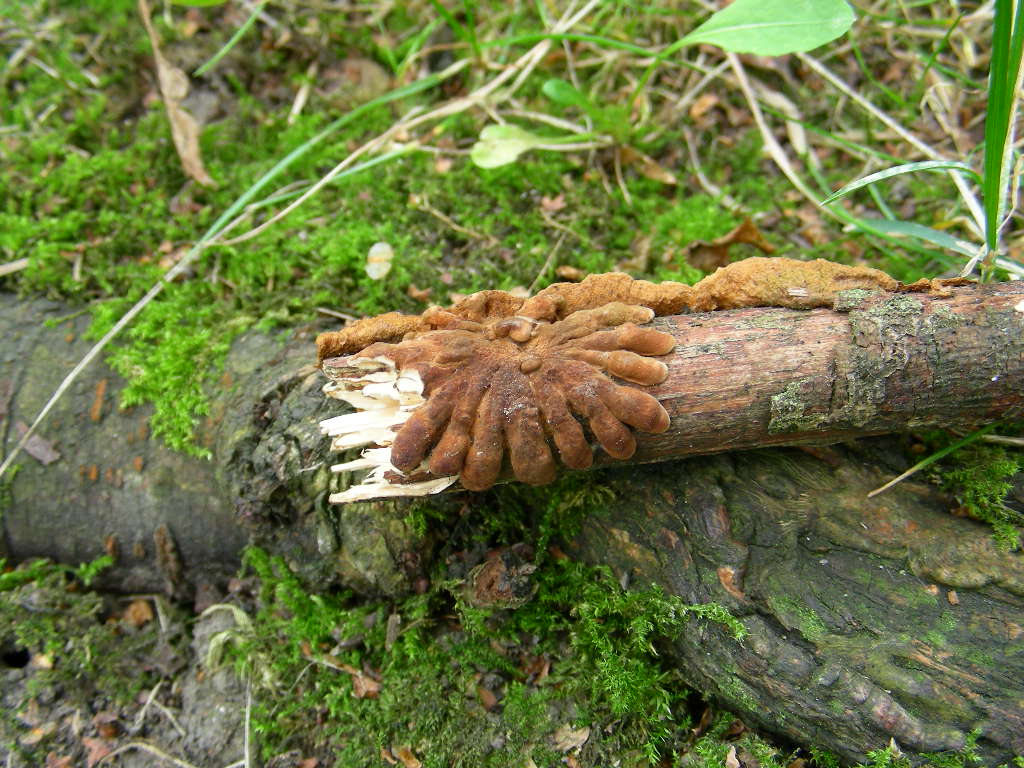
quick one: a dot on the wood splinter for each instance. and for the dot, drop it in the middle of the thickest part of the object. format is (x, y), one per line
(447, 395)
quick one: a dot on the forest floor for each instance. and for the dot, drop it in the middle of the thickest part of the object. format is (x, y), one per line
(658, 179)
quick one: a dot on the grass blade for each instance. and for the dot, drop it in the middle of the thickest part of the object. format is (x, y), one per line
(898, 170)
(239, 33)
(937, 456)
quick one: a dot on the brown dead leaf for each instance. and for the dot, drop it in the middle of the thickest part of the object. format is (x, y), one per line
(38, 734)
(567, 738)
(952, 597)
(736, 729)
(174, 89)
(487, 698)
(418, 294)
(98, 749)
(106, 724)
(705, 720)
(647, 166)
(731, 761)
(55, 761)
(639, 255)
(703, 105)
(363, 686)
(407, 757)
(552, 204)
(570, 273)
(138, 613)
(38, 447)
(708, 257)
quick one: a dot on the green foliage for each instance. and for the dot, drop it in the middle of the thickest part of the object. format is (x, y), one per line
(774, 27)
(600, 637)
(981, 476)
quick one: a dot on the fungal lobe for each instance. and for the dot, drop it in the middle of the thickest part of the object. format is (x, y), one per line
(504, 379)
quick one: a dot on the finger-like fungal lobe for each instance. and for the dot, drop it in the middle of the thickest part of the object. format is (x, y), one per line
(494, 381)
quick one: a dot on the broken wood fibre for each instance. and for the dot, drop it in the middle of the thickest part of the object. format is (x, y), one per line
(449, 394)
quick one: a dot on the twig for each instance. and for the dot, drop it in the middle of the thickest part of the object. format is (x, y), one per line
(1016, 442)
(774, 149)
(151, 749)
(421, 203)
(248, 714)
(141, 716)
(706, 184)
(547, 264)
(13, 266)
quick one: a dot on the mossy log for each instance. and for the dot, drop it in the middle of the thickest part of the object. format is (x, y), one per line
(868, 619)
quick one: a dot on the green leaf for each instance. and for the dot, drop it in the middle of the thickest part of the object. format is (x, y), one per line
(897, 170)
(895, 228)
(502, 144)
(198, 3)
(1007, 49)
(565, 93)
(774, 27)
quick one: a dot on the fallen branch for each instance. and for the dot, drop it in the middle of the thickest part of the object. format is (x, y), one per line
(453, 393)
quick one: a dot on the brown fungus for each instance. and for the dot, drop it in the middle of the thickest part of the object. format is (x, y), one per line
(484, 384)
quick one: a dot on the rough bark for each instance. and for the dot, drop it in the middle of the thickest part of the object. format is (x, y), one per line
(855, 633)
(868, 619)
(888, 363)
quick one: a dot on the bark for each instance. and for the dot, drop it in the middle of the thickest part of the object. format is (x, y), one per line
(868, 620)
(888, 363)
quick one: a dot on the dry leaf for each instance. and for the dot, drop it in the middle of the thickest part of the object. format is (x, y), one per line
(41, 661)
(487, 698)
(137, 614)
(106, 724)
(55, 761)
(647, 166)
(731, 761)
(703, 105)
(363, 686)
(38, 447)
(952, 597)
(174, 89)
(572, 274)
(419, 294)
(566, 738)
(639, 255)
(98, 749)
(37, 734)
(407, 757)
(552, 204)
(387, 757)
(708, 257)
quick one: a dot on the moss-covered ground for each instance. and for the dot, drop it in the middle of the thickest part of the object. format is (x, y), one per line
(94, 197)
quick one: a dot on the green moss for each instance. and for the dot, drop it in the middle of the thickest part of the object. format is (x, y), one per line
(600, 640)
(981, 476)
(794, 613)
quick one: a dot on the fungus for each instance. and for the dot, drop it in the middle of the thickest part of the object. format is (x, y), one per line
(495, 377)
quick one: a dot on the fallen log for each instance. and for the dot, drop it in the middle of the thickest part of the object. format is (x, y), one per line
(868, 620)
